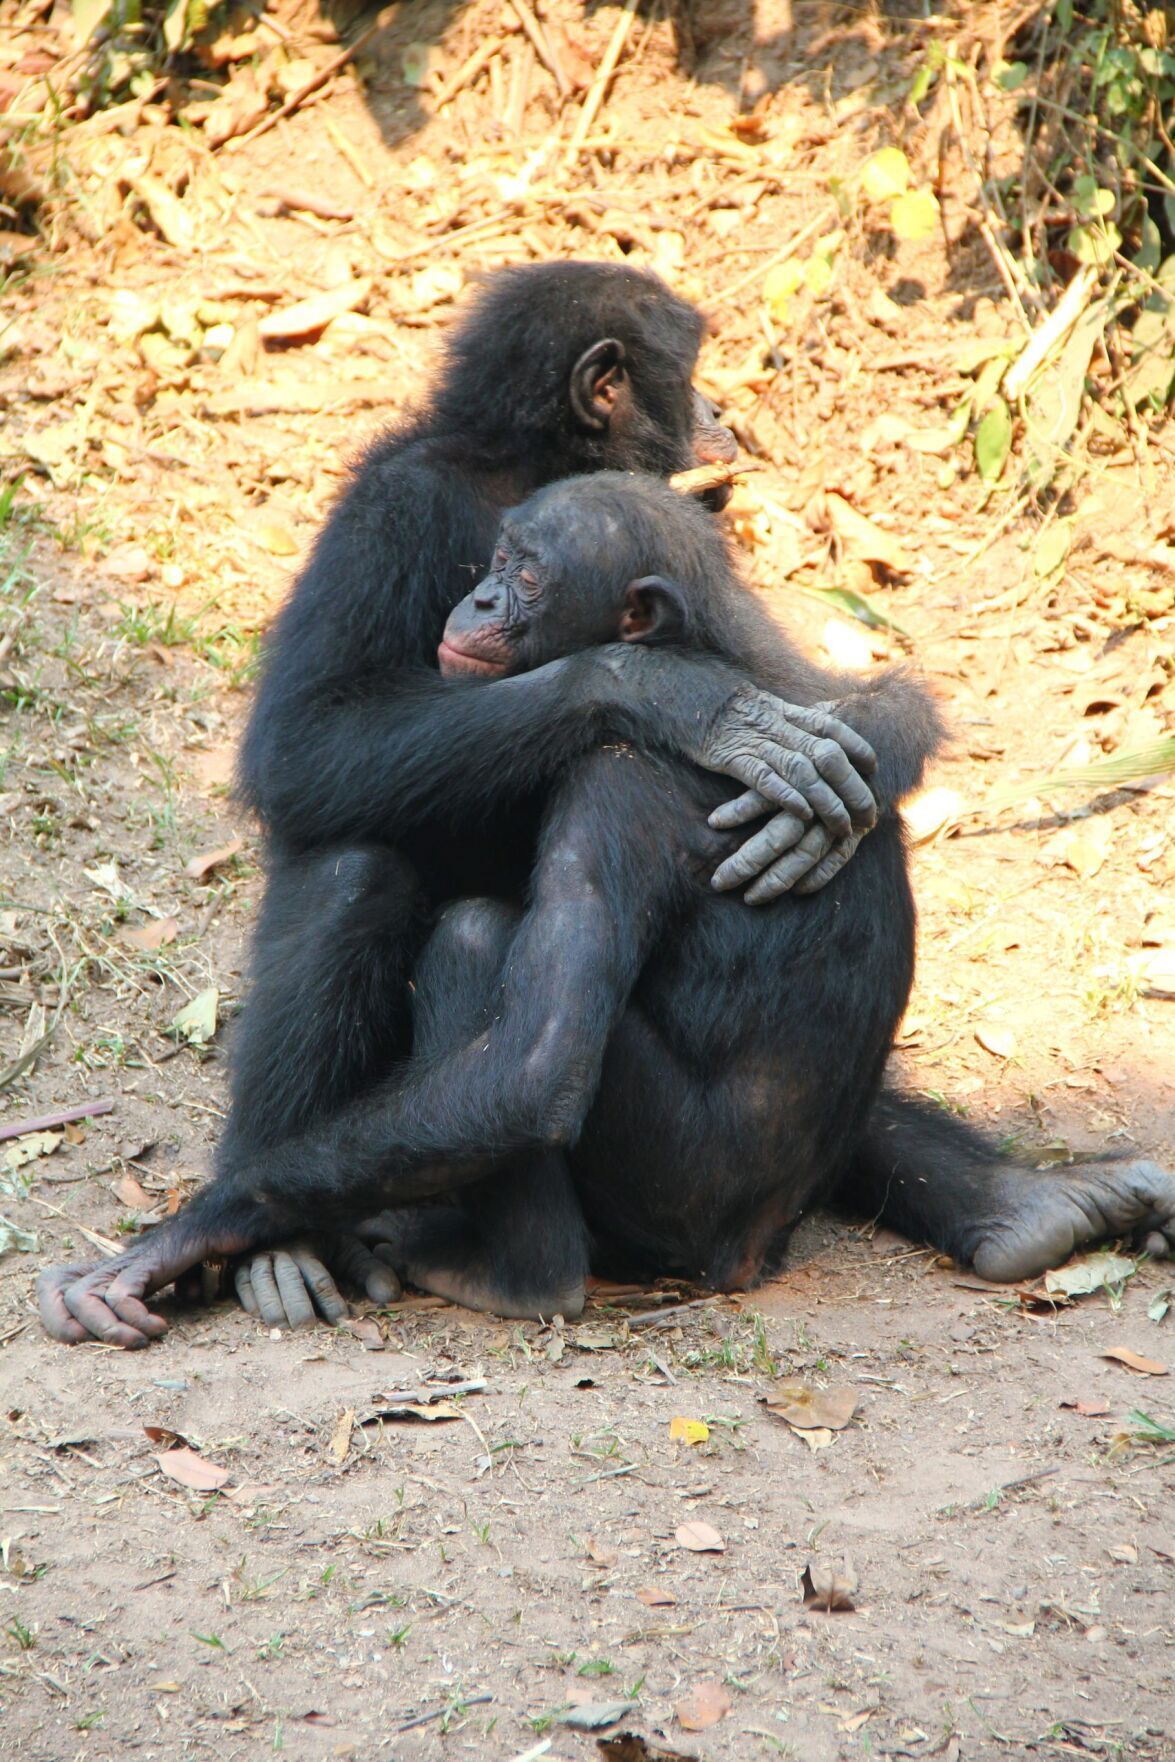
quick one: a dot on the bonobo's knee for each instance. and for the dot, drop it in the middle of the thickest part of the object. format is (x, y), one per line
(471, 932)
(362, 873)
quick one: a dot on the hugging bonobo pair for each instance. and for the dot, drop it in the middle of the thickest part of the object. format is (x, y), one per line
(502, 960)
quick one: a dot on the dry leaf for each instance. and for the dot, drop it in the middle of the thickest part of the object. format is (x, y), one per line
(699, 1538)
(595, 1715)
(688, 1431)
(805, 1407)
(815, 1437)
(305, 317)
(183, 1465)
(829, 1585)
(168, 213)
(929, 811)
(1093, 1272)
(1146, 1367)
(275, 539)
(704, 1706)
(29, 1147)
(600, 1556)
(862, 537)
(1085, 846)
(155, 933)
(196, 1022)
(202, 866)
(652, 1598)
(366, 1330)
(999, 1041)
(340, 1438)
(127, 1189)
(1088, 1409)
(1125, 1553)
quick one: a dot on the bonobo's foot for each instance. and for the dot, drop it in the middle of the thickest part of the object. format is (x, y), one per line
(105, 1301)
(437, 1251)
(1040, 1219)
(284, 1287)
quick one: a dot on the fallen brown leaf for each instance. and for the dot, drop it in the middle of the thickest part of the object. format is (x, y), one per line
(704, 1706)
(1146, 1367)
(806, 1407)
(699, 1538)
(305, 317)
(155, 933)
(366, 1330)
(1088, 1409)
(652, 1598)
(202, 866)
(128, 1190)
(183, 1465)
(340, 1438)
(829, 1585)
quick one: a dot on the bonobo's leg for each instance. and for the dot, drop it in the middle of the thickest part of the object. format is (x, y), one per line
(934, 1178)
(514, 1244)
(329, 1011)
(336, 938)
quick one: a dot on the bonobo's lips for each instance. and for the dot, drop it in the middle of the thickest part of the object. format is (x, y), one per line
(455, 664)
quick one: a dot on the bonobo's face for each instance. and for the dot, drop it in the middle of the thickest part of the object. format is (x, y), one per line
(556, 585)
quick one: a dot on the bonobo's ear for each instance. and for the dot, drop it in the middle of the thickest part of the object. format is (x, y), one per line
(595, 385)
(655, 610)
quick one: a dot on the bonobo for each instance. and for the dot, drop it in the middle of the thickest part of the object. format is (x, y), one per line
(679, 1075)
(385, 792)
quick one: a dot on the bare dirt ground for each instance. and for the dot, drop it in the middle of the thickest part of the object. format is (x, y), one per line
(346, 1577)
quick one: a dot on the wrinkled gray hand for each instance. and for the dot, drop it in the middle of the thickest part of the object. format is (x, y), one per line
(784, 856)
(801, 759)
(286, 1287)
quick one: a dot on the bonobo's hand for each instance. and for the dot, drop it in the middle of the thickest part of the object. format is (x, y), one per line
(784, 856)
(284, 1287)
(803, 760)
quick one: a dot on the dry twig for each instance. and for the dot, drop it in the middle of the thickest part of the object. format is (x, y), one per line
(599, 85)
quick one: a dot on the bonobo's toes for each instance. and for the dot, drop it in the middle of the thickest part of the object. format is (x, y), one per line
(1045, 1218)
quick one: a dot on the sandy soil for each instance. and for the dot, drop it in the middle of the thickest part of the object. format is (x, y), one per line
(371, 1583)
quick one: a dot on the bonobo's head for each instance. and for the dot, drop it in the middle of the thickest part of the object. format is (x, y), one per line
(603, 558)
(565, 367)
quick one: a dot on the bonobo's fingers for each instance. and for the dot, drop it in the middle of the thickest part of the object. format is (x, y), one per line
(821, 874)
(785, 875)
(51, 1287)
(781, 833)
(246, 1296)
(368, 1271)
(740, 811)
(278, 1290)
(767, 745)
(107, 1303)
(822, 721)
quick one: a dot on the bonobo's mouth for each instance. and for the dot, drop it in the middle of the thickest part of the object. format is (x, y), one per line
(455, 664)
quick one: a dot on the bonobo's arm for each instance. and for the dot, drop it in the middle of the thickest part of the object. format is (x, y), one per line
(375, 757)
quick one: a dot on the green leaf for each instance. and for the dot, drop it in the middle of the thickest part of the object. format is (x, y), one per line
(922, 82)
(914, 215)
(885, 174)
(1158, 1306)
(993, 441)
(1096, 243)
(415, 62)
(1150, 248)
(1051, 548)
(175, 25)
(858, 605)
(196, 1022)
(1011, 76)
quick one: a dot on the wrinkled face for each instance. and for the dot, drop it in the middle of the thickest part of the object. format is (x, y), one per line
(554, 587)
